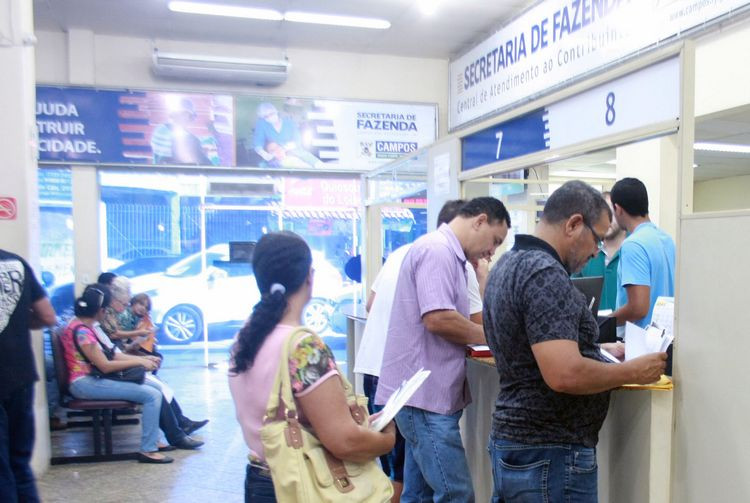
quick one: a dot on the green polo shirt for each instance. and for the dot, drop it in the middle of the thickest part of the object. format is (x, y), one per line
(596, 267)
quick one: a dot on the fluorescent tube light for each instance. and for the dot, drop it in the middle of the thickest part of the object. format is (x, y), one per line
(722, 147)
(354, 22)
(225, 10)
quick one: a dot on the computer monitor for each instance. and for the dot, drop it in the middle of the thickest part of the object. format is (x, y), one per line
(592, 289)
(241, 251)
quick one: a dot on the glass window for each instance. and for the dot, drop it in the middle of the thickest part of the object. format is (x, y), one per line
(170, 234)
(56, 237)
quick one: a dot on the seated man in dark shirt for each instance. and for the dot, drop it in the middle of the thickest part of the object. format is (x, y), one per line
(554, 381)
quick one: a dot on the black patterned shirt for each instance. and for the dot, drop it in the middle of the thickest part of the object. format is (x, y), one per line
(530, 299)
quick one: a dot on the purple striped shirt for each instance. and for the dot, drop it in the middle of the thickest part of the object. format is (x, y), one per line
(432, 278)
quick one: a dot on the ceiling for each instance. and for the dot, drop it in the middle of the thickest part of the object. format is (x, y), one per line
(733, 127)
(453, 28)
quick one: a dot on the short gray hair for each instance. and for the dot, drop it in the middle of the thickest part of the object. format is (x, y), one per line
(120, 289)
(575, 197)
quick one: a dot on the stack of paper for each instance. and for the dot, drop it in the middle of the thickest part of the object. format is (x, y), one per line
(398, 399)
(639, 342)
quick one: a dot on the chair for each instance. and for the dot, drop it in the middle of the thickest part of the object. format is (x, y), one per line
(102, 412)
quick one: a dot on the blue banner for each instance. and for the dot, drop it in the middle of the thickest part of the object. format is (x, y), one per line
(134, 127)
(520, 136)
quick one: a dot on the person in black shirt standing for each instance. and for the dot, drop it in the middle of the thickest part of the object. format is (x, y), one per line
(23, 305)
(554, 381)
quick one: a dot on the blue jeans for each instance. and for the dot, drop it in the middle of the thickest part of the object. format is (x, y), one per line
(435, 468)
(548, 472)
(106, 389)
(258, 486)
(16, 444)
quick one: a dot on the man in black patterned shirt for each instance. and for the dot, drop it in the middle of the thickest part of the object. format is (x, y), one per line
(23, 305)
(554, 381)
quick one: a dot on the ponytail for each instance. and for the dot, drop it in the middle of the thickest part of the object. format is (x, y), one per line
(281, 263)
(265, 316)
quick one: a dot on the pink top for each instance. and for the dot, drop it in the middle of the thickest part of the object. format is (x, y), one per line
(77, 365)
(311, 363)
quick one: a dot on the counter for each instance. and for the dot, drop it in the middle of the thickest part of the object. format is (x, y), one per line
(634, 451)
(356, 317)
(635, 442)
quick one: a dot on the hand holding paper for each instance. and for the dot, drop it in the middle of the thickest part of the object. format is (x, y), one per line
(640, 342)
(398, 399)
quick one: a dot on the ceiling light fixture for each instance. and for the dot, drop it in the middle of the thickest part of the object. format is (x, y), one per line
(722, 147)
(329, 19)
(225, 10)
(428, 7)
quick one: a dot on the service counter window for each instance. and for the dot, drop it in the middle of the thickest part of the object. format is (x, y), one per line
(524, 192)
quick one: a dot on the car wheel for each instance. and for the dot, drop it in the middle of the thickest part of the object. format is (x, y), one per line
(182, 324)
(317, 315)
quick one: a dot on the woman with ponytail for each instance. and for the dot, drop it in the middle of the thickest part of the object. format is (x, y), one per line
(282, 263)
(83, 352)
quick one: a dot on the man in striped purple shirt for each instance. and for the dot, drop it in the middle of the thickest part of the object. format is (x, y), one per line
(429, 328)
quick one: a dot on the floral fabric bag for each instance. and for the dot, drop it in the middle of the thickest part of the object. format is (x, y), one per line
(302, 469)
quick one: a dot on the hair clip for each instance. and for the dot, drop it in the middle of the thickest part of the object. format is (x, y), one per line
(277, 287)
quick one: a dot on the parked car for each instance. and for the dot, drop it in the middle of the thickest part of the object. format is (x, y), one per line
(219, 292)
(62, 296)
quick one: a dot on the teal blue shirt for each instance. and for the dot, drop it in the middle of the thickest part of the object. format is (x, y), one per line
(597, 266)
(646, 259)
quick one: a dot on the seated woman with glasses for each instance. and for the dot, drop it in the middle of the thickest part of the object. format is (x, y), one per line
(83, 352)
(127, 340)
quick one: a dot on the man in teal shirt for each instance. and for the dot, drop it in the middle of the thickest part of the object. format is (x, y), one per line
(606, 261)
(647, 256)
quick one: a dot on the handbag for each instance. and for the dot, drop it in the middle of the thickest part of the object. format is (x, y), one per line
(132, 374)
(302, 469)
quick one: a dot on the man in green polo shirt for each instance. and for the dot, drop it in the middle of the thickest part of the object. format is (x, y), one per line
(605, 262)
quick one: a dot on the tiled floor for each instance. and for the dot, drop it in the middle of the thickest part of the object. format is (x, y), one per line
(215, 472)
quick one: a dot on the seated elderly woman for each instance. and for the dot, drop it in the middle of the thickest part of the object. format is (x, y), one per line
(83, 354)
(173, 422)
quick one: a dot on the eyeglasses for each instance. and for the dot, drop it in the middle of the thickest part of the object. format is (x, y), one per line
(599, 240)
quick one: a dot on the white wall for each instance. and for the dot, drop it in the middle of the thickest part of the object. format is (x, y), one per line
(654, 162)
(722, 77)
(712, 402)
(18, 178)
(125, 62)
(731, 193)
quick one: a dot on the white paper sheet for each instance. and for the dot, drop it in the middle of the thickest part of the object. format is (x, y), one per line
(639, 342)
(398, 399)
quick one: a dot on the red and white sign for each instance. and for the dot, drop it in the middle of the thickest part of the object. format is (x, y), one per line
(8, 208)
(321, 193)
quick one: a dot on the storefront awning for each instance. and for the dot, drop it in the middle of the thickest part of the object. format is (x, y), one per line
(397, 212)
(301, 212)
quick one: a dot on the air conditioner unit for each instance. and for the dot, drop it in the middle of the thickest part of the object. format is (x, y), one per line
(261, 72)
